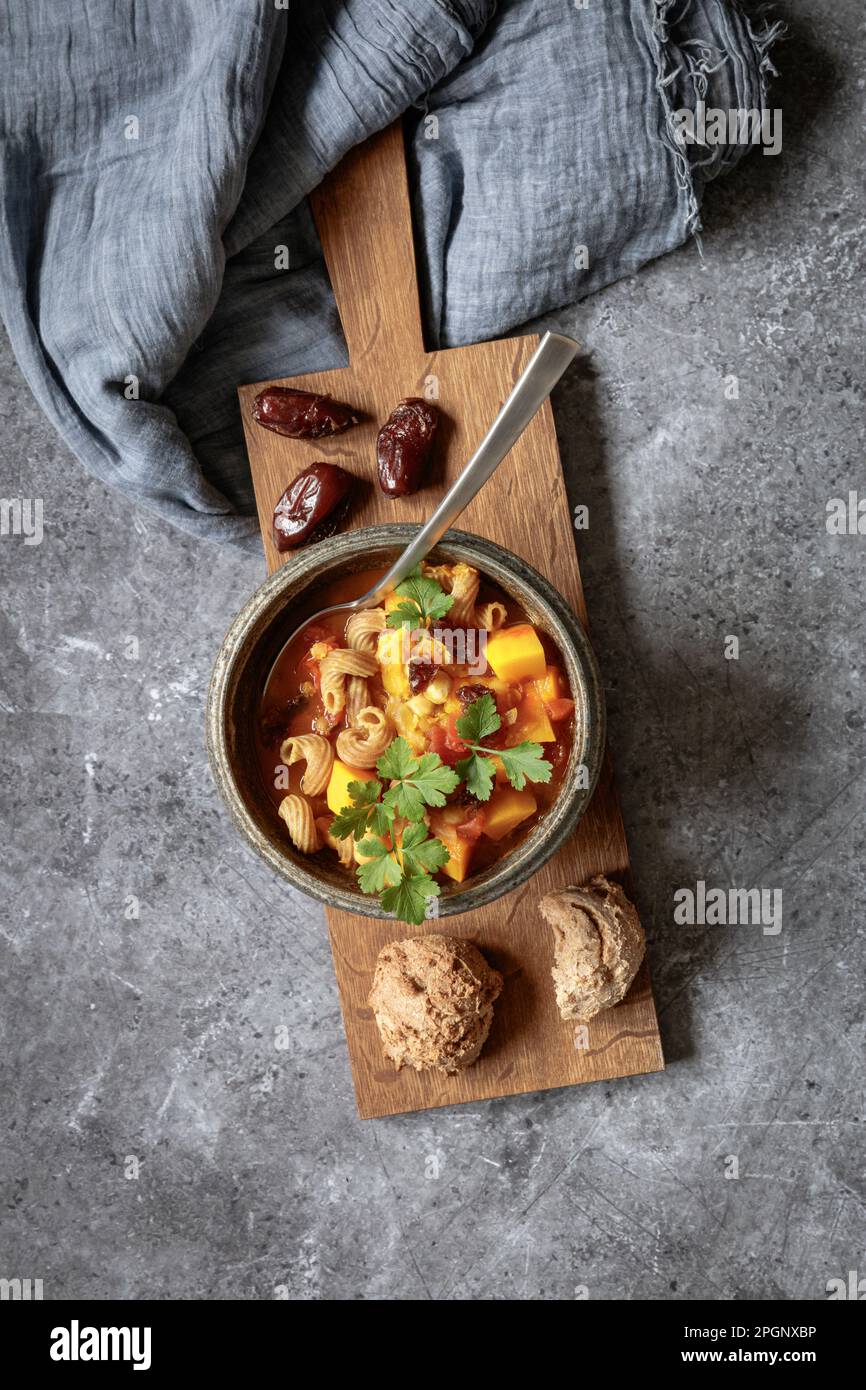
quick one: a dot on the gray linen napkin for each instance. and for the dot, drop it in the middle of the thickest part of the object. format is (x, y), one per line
(157, 153)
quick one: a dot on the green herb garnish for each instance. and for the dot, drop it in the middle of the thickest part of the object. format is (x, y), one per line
(415, 782)
(398, 865)
(523, 761)
(425, 601)
(366, 814)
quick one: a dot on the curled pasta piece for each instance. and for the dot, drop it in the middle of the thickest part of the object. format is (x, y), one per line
(317, 753)
(349, 663)
(367, 739)
(491, 616)
(357, 697)
(443, 575)
(362, 629)
(297, 812)
(461, 581)
(464, 591)
(345, 849)
(334, 669)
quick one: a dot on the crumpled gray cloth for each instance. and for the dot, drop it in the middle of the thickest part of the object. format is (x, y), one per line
(156, 153)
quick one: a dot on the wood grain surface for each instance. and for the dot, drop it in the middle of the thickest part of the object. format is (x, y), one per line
(363, 217)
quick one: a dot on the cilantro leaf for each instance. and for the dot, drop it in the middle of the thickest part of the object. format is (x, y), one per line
(424, 595)
(524, 761)
(408, 899)
(420, 853)
(380, 870)
(405, 613)
(427, 783)
(354, 819)
(479, 720)
(381, 819)
(478, 773)
(397, 761)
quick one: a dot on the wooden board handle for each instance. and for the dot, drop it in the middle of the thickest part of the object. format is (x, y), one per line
(364, 222)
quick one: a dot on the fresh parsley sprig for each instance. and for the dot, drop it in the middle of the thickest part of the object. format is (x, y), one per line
(401, 873)
(399, 860)
(415, 782)
(424, 601)
(524, 762)
(366, 815)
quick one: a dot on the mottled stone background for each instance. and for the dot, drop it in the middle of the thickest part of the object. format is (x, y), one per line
(155, 1037)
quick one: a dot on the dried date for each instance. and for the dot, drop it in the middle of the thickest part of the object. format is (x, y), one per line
(312, 506)
(404, 445)
(301, 414)
(421, 673)
(468, 694)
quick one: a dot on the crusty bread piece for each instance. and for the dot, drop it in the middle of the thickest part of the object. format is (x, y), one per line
(598, 946)
(433, 1000)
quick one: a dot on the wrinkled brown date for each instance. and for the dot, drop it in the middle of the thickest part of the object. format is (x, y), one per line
(404, 445)
(312, 506)
(301, 414)
(468, 694)
(421, 673)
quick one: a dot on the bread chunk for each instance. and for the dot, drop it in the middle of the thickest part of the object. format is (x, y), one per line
(433, 999)
(598, 946)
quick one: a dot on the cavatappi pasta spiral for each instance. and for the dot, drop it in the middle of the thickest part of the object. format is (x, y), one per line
(491, 616)
(461, 581)
(318, 754)
(297, 812)
(464, 591)
(357, 697)
(345, 849)
(362, 629)
(367, 739)
(333, 670)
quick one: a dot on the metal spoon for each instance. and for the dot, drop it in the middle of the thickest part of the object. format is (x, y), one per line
(542, 372)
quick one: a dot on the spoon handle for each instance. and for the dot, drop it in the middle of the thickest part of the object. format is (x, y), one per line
(549, 361)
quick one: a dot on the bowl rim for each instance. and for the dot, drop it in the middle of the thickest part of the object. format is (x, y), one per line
(313, 566)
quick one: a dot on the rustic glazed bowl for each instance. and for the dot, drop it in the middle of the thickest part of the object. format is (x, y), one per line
(258, 634)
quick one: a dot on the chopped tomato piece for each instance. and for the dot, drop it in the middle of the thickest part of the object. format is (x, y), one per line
(559, 708)
(473, 828)
(309, 664)
(439, 743)
(317, 633)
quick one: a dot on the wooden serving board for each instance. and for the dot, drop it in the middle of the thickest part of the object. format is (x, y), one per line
(363, 217)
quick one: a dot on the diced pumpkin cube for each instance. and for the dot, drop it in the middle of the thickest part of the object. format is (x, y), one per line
(389, 652)
(551, 686)
(505, 810)
(515, 653)
(459, 850)
(338, 786)
(532, 724)
(501, 778)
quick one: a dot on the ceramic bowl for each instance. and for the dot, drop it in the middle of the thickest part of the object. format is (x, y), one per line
(259, 632)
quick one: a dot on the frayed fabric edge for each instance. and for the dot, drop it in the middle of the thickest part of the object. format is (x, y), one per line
(762, 42)
(698, 70)
(666, 74)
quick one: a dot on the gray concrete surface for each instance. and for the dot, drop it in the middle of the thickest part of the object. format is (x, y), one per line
(151, 1038)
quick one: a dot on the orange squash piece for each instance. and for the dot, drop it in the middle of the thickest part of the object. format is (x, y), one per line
(516, 654)
(338, 785)
(532, 724)
(505, 810)
(459, 850)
